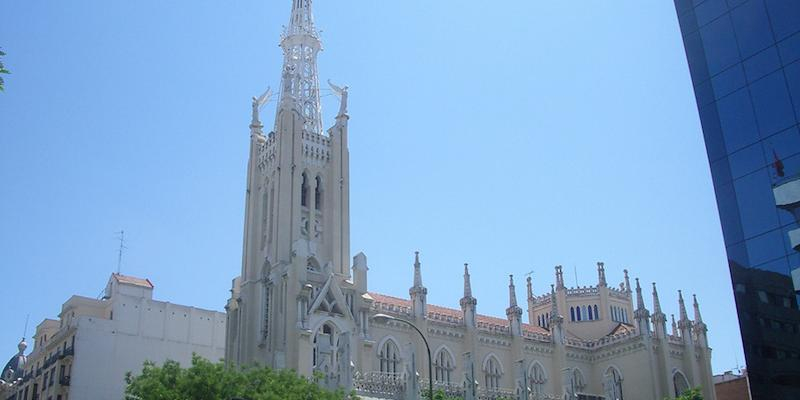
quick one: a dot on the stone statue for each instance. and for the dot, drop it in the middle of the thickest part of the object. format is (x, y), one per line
(340, 92)
(259, 102)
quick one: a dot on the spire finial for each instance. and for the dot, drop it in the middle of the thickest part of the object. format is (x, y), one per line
(467, 282)
(639, 298)
(683, 315)
(559, 277)
(601, 274)
(656, 302)
(417, 270)
(627, 281)
(512, 292)
(698, 319)
(530, 288)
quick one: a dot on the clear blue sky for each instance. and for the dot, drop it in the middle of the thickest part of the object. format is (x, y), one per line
(514, 136)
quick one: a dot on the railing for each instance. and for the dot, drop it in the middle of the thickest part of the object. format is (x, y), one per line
(69, 351)
(64, 380)
(495, 394)
(583, 291)
(380, 384)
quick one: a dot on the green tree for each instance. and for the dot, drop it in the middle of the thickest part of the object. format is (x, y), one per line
(3, 70)
(691, 394)
(205, 380)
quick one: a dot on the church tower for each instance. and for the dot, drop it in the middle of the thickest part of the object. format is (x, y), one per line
(295, 257)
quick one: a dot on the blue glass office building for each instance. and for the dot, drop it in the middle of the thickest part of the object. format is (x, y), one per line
(744, 59)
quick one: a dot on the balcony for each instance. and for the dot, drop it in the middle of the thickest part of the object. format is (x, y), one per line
(64, 380)
(69, 351)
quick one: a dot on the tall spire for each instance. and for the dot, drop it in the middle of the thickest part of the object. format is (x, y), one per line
(300, 81)
(683, 315)
(559, 277)
(639, 298)
(656, 302)
(555, 318)
(601, 274)
(418, 292)
(627, 281)
(417, 270)
(512, 292)
(530, 288)
(698, 319)
(467, 282)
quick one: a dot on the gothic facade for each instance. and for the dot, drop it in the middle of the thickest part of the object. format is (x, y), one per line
(302, 303)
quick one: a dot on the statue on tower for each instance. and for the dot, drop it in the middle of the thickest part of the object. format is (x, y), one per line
(341, 93)
(259, 102)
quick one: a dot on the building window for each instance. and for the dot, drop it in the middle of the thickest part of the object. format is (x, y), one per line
(389, 358)
(615, 380)
(572, 313)
(591, 313)
(537, 380)
(679, 383)
(492, 373)
(304, 191)
(596, 314)
(318, 194)
(444, 366)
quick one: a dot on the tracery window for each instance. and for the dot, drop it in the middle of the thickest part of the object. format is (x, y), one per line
(616, 383)
(537, 379)
(679, 383)
(492, 373)
(389, 357)
(444, 366)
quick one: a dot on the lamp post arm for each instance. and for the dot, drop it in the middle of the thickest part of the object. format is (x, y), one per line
(430, 359)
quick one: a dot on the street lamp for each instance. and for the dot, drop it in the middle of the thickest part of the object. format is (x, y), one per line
(385, 318)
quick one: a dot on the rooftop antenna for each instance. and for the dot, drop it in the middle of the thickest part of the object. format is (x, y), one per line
(122, 248)
(576, 274)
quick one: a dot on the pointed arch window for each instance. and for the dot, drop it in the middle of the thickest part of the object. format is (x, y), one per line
(679, 383)
(318, 193)
(578, 313)
(572, 313)
(444, 366)
(596, 314)
(304, 191)
(389, 357)
(615, 380)
(591, 313)
(537, 379)
(492, 373)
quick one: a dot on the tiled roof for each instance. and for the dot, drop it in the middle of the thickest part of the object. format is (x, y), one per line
(438, 313)
(132, 280)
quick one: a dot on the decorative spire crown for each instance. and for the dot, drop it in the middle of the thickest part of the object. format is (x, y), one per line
(683, 315)
(656, 302)
(467, 283)
(627, 281)
(559, 277)
(417, 271)
(530, 288)
(601, 274)
(512, 292)
(300, 80)
(639, 298)
(698, 319)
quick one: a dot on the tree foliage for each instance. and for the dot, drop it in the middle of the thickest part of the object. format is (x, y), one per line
(205, 380)
(691, 394)
(3, 70)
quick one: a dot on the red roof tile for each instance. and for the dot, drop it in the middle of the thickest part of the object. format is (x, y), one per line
(455, 314)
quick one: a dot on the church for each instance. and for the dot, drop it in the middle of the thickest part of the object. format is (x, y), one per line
(302, 303)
